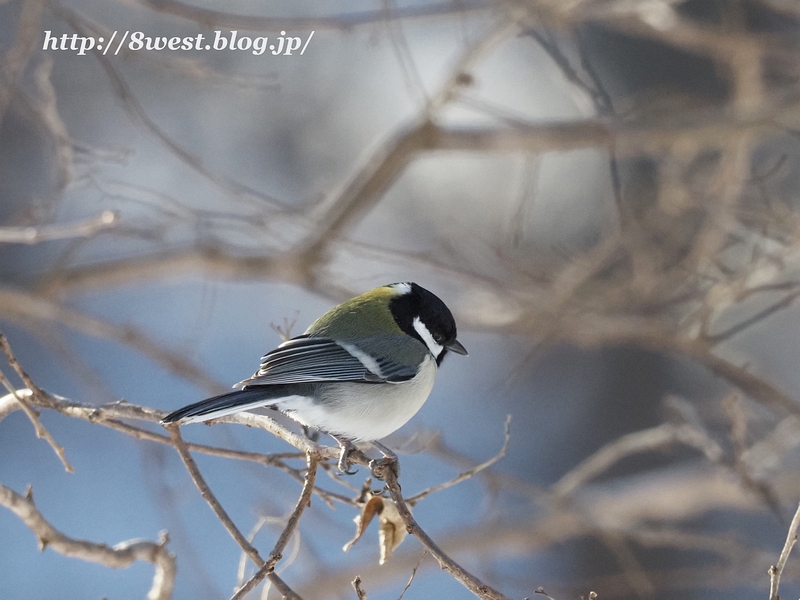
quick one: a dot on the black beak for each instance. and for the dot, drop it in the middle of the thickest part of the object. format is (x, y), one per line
(456, 347)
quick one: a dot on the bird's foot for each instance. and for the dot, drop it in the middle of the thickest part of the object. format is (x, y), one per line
(344, 456)
(378, 466)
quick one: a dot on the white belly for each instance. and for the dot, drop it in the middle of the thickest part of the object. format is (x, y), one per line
(363, 411)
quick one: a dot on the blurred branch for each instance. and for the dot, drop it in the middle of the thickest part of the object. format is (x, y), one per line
(119, 556)
(342, 22)
(34, 235)
(84, 27)
(16, 58)
(634, 443)
(31, 306)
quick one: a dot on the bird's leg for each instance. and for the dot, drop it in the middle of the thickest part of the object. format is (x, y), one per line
(344, 456)
(389, 459)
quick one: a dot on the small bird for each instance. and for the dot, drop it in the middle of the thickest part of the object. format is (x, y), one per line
(358, 373)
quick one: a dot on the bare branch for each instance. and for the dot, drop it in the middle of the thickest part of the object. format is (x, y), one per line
(22, 396)
(33, 417)
(776, 571)
(360, 593)
(119, 556)
(413, 574)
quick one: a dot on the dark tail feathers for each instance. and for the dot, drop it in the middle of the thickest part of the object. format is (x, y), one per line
(224, 404)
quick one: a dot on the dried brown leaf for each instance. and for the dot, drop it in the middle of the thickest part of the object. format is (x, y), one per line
(392, 530)
(372, 507)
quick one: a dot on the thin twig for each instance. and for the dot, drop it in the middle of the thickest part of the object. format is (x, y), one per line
(775, 571)
(287, 593)
(468, 474)
(304, 501)
(33, 416)
(413, 574)
(22, 399)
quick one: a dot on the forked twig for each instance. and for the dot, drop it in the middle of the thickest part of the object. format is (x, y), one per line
(22, 399)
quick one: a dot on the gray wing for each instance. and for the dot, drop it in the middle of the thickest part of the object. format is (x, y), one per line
(317, 359)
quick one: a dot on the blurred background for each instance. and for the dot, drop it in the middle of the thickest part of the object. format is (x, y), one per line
(604, 193)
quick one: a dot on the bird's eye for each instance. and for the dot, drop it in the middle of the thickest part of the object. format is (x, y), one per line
(438, 338)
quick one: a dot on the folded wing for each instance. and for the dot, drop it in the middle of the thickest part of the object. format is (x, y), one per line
(315, 359)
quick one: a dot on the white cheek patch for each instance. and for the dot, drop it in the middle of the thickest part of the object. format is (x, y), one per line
(433, 347)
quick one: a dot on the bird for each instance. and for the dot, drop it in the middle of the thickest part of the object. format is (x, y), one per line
(358, 373)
